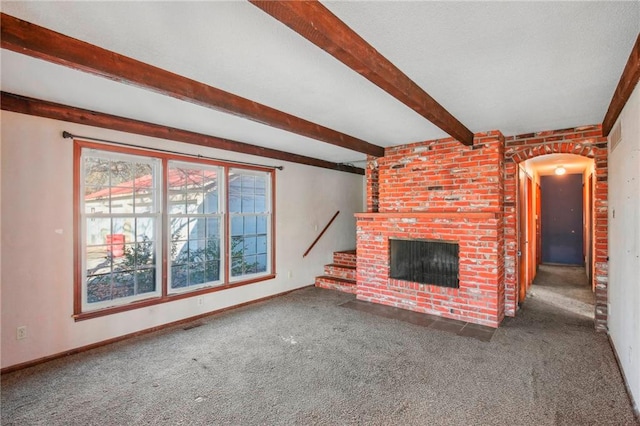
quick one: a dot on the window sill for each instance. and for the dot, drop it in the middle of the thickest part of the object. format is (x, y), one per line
(81, 316)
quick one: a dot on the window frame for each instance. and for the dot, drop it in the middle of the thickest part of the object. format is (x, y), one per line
(165, 294)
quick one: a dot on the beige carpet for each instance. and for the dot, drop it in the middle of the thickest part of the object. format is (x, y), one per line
(303, 359)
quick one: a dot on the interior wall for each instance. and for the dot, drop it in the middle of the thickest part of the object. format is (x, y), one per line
(37, 239)
(624, 244)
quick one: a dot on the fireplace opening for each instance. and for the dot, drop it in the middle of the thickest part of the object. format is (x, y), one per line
(425, 262)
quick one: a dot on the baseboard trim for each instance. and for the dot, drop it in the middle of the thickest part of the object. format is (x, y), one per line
(183, 321)
(636, 409)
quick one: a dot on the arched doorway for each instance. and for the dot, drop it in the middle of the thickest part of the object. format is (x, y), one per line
(555, 231)
(521, 153)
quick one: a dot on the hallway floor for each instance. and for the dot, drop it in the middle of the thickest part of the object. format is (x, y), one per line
(564, 287)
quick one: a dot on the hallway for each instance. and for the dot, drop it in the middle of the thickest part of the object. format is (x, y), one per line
(566, 290)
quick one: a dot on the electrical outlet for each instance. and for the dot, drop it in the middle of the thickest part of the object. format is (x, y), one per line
(200, 301)
(290, 274)
(21, 332)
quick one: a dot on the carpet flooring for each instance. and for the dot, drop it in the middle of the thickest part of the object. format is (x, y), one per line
(302, 359)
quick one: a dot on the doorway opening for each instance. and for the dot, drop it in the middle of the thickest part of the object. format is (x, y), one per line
(555, 220)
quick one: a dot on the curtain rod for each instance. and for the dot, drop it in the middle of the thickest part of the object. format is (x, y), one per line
(68, 135)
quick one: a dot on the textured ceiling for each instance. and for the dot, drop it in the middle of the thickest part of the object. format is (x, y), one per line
(517, 67)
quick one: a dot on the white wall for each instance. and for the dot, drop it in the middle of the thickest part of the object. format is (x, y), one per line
(37, 237)
(624, 244)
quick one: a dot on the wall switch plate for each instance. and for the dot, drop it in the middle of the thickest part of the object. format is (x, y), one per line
(21, 332)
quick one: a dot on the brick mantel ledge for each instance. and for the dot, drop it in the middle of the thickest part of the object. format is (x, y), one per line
(429, 215)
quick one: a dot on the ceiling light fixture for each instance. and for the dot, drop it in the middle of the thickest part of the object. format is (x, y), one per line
(560, 170)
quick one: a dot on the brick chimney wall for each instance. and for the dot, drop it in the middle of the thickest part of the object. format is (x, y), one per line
(438, 190)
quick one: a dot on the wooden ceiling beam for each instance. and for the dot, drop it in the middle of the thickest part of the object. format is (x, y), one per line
(628, 81)
(317, 24)
(40, 108)
(39, 42)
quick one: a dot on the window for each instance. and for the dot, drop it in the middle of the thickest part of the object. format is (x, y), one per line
(121, 215)
(195, 222)
(250, 221)
(154, 227)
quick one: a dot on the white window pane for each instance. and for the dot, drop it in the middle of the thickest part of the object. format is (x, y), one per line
(177, 202)
(261, 227)
(213, 227)
(179, 228)
(248, 203)
(96, 199)
(145, 229)
(250, 225)
(260, 204)
(121, 200)
(235, 203)
(236, 266)
(261, 263)
(195, 201)
(250, 244)
(98, 260)
(212, 249)
(197, 228)
(123, 284)
(197, 250)
(124, 257)
(250, 264)
(124, 226)
(210, 191)
(96, 172)
(98, 288)
(261, 244)
(96, 230)
(144, 176)
(179, 276)
(211, 202)
(237, 227)
(248, 183)
(122, 173)
(146, 280)
(196, 273)
(144, 201)
(145, 254)
(212, 271)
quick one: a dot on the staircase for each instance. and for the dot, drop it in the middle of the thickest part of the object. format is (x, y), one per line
(341, 274)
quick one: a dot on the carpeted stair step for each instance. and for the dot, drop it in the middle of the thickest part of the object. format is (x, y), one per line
(345, 257)
(340, 271)
(335, 283)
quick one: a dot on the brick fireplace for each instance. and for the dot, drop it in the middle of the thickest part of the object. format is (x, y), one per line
(437, 191)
